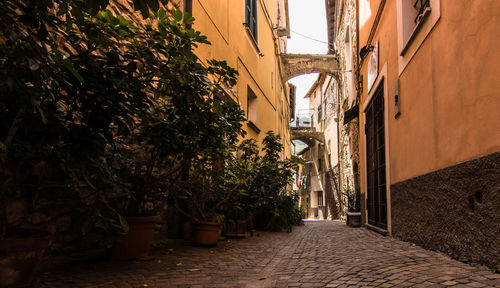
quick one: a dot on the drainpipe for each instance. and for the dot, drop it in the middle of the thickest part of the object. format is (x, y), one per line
(357, 73)
(188, 7)
(338, 154)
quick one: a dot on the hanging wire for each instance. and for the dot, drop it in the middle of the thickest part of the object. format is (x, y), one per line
(305, 36)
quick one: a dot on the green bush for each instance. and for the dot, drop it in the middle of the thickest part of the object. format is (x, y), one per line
(269, 206)
(98, 113)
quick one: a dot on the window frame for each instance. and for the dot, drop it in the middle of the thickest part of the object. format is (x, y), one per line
(252, 109)
(319, 112)
(251, 20)
(408, 46)
(319, 197)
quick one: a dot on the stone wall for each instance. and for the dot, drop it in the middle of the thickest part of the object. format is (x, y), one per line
(346, 96)
(455, 210)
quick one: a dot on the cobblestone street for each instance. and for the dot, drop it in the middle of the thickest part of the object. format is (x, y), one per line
(319, 254)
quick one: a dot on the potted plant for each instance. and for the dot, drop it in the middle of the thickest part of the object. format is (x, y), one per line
(273, 208)
(209, 191)
(75, 91)
(353, 204)
(211, 178)
(239, 209)
(57, 111)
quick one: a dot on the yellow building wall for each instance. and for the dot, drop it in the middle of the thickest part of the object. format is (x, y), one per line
(222, 21)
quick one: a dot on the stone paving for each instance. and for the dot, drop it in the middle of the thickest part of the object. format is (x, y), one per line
(319, 254)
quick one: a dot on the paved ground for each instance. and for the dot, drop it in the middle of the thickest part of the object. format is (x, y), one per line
(319, 254)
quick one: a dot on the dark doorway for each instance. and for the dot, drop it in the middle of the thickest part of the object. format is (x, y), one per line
(375, 160)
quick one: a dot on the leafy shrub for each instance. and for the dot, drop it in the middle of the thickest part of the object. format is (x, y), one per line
(97, 112)
(269, 206)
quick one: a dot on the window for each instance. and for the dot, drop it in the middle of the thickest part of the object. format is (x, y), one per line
(320, 163)
(292, 102)
(349, 66)
(278, 22)
(252, 109)
(333, 91)
(251, 17)
(320, 198)
(416, 18)
(421, 6)
(319, 113)
(414, 13)
(325, 104)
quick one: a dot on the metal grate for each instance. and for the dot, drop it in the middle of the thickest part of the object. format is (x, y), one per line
(421, 6)
(375, 158)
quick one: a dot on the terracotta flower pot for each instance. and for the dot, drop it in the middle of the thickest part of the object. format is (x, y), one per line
(206, 233)
(19, 259)
(135, 244)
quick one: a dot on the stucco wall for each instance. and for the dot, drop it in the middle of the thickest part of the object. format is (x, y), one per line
(453, 210)
(222, 22)
(449, 115)
(448, 91)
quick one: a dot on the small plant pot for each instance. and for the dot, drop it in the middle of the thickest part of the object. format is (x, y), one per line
(135, 244)
(236, 229)
(19, 259)
(206, 233)
(353, 219)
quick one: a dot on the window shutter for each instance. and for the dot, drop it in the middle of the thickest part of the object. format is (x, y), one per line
(248, 12)
(254, 19)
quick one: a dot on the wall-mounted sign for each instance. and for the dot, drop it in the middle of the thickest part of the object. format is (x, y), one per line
(373, 67)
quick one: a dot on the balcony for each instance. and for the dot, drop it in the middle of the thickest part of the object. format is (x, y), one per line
(302, 128)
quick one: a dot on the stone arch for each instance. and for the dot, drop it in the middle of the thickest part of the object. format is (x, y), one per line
(307, 136)
(299, 64)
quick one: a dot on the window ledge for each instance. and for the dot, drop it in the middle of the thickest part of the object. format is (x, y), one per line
(252, 39)
(417, 28)
(253, 126)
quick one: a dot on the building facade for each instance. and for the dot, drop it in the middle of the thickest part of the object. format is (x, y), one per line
(342, 39)
(430, 123)
(321, 196)
(250, 35)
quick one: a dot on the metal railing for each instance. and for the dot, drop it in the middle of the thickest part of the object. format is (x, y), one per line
(303, 119)
(421, 6)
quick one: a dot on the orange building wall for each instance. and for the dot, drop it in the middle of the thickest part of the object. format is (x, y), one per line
(449, 91)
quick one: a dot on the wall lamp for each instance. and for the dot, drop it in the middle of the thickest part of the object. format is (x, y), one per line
(365, 50)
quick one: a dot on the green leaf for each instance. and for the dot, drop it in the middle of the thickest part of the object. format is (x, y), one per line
(2, 146)
(123, 223)
(188, 19)
(177, 14)
(69, 65)
(162, 14)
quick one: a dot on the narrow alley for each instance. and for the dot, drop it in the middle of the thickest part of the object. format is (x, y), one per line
(319, 254)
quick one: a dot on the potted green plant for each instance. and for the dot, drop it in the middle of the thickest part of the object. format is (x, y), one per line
(272, 208)
(353, 204)
(239, 209)
(214, 180)
(61, 112)
(76, 88)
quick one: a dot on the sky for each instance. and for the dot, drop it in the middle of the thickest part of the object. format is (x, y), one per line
(307, 19)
